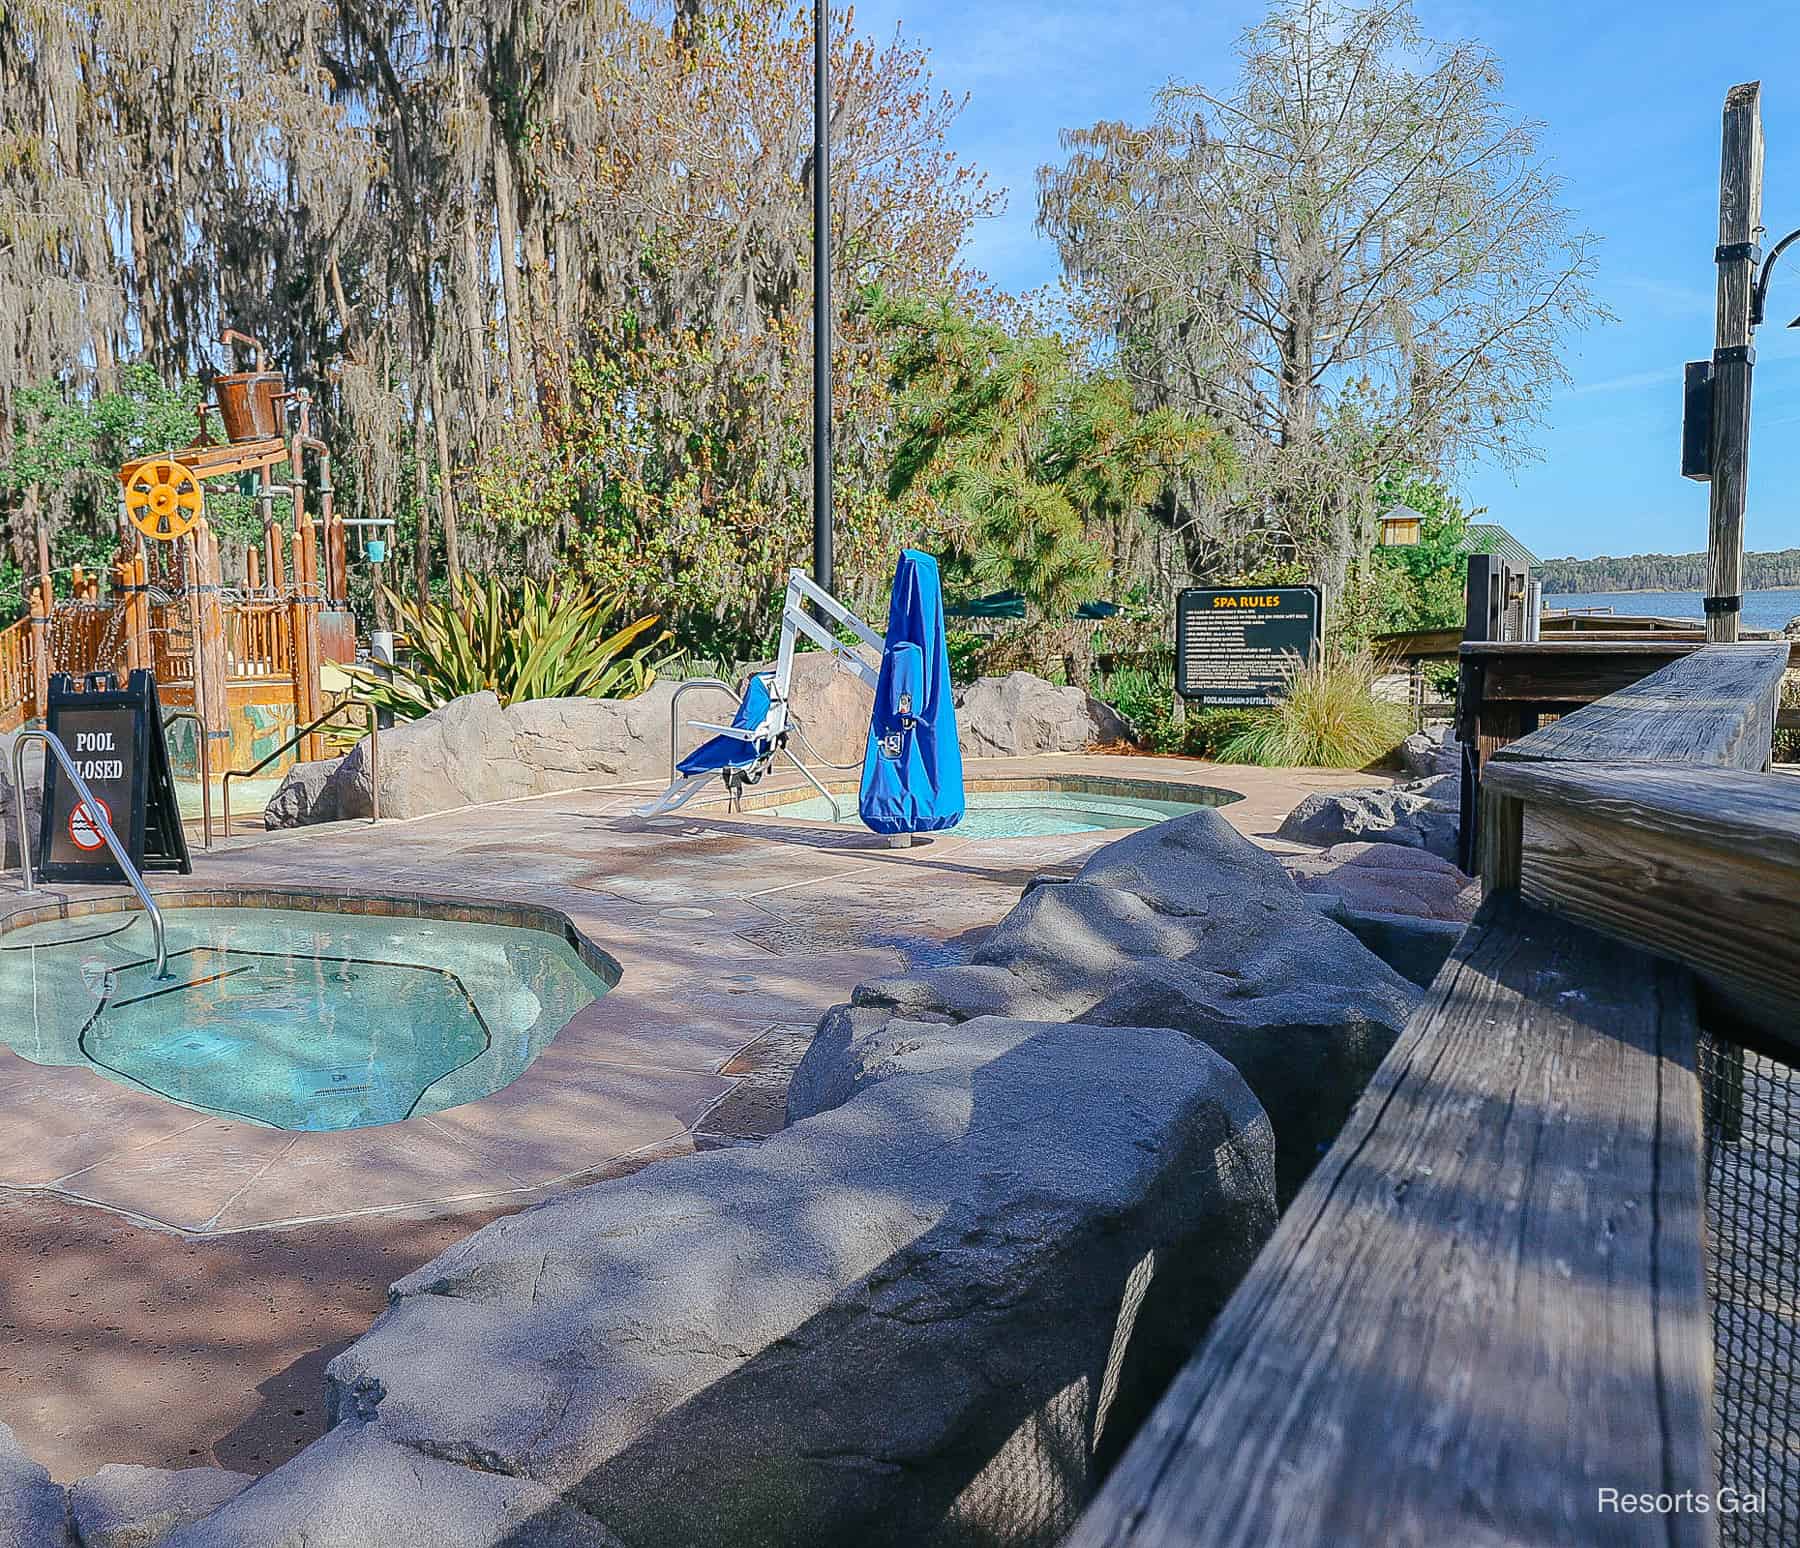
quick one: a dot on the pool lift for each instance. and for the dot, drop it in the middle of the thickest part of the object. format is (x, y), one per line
(741, 753)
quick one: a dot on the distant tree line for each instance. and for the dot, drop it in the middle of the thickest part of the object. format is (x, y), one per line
(1664, 572)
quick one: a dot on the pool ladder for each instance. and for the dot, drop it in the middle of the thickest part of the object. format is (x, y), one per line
(53, 745)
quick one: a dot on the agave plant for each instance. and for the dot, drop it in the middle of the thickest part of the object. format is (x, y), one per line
(517, 638)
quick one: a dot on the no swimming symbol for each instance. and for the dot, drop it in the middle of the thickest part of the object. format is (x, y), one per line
(84, 831)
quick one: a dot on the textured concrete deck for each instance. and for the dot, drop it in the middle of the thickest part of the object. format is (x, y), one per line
(734, 931)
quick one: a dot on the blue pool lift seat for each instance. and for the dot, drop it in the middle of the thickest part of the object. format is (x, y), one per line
(741, 753)
(741, 745)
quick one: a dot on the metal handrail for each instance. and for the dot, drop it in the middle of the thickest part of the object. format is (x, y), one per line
(300, 736)
(96, 811)
(205, 769)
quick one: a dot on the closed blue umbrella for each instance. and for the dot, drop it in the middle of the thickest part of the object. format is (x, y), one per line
(912, 773)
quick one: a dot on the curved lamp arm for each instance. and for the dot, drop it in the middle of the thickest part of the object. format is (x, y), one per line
(1761, 294)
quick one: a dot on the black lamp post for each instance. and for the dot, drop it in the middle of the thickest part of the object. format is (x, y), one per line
(822, 294)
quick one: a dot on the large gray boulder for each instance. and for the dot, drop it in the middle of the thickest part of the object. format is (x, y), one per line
(34, 799)
(569, 743)
(1388, 879)
(1431, 752)
(33, 1512)
(355, 1490)
(1423, 814)
(832, 708)
(471, 752)
(1186, 925)
(1018, 715)
(308, 795)
(123, 1506)
(932, 1315)
(459, 755)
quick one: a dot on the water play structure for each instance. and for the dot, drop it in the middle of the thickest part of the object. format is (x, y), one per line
(912, 778)
(235, 632)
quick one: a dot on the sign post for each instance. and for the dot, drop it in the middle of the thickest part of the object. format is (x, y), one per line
(1235, 645)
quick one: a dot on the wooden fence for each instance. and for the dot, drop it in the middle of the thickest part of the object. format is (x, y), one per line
(1488, 1305)
(16, 675)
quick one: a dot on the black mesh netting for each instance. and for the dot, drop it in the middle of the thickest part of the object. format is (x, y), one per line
(1753, 1273)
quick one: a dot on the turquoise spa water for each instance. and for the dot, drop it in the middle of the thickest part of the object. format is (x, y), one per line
(1036, 813)
(292, 1019)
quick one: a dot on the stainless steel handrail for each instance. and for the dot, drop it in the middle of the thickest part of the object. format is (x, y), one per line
(373, 738)
(205, 769)
(101, 820)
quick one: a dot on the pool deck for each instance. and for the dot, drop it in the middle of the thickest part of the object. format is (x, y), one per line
(172, 1284)
(734, 932)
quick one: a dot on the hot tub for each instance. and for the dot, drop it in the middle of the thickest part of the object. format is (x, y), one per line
(298, 1018)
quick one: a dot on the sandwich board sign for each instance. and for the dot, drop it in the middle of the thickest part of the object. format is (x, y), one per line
(1235, 644)
(115, 738)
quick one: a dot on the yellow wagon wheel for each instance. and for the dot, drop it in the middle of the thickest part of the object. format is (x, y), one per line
(163, 499)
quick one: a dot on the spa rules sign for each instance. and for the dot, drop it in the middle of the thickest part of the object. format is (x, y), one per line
(114, 736)
(1232, 645)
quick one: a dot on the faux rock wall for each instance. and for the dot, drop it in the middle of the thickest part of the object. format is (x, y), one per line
(472, 751)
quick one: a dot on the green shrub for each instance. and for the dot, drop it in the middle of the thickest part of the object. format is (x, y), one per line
(1328, 718)
(520, 639)
(965, 647)
(1144, 696)
(1787, 743)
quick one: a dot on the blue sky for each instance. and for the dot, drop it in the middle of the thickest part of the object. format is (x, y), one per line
(1629, 93)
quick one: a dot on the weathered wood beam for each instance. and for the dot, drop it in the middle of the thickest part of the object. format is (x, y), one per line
(1740, 224)
(1714, 707)
(1699, 864)
(1487, 1304)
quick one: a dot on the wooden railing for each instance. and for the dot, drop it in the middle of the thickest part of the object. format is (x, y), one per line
(1487, 1307)
(1648, 815)
(259, 641)
(18, 690)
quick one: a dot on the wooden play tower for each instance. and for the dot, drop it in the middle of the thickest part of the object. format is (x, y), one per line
(242, 654)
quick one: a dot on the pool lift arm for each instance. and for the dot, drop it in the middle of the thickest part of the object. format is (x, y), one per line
(742, 752)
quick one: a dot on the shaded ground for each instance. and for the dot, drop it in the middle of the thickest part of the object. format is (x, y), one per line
(122, 1344)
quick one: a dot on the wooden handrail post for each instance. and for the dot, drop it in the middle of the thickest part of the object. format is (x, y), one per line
(207, 619)
(1502, 842)
(139, 617)
(1740, 224)
(119, 582)
(40, 657)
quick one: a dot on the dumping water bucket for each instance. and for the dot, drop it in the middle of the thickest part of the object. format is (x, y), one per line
(375, 550)
(247, 404)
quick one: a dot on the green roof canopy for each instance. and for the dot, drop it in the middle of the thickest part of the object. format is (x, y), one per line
(1011, 605)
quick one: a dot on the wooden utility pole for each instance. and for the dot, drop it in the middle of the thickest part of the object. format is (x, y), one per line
(1740, 228)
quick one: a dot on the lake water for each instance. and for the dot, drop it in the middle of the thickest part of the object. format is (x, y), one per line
(1762, 609)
